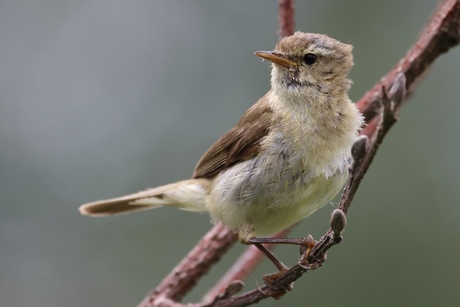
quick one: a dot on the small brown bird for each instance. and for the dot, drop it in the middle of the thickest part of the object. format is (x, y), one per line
(286, 157)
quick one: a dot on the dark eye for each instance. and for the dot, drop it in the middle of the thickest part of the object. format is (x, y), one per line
(310, 58)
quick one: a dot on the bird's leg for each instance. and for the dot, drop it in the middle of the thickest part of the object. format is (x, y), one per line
(270, 279)
(305, 249)
(296, 241)
(281, 266)
(306, 245)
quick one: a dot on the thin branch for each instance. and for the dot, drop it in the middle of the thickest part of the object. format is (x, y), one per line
(286, 17)
(380, 109)
(438, 36)
(196, 264)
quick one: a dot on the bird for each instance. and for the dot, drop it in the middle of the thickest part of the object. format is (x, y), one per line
(284, 159)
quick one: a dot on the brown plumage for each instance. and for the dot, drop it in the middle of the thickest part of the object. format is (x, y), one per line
(239, 144)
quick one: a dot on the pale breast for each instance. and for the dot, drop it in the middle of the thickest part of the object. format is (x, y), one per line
(270, 192)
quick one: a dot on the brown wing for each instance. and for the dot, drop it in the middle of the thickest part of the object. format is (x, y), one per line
(239, 144)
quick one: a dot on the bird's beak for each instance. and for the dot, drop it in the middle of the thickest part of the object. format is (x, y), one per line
(276, 57)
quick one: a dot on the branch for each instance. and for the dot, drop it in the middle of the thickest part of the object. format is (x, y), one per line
(196, 264)
(286, 17)
(380, 107)
(438, 36)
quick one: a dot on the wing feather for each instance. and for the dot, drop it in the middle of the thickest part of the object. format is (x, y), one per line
(240, 143)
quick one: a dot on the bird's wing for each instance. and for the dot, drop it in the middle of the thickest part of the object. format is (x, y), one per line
(240, 143)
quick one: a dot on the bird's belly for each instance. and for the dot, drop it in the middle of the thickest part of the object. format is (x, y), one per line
(259, 203)
(296, 204)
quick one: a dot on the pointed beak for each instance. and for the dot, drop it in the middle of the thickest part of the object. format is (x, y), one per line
(276, 57)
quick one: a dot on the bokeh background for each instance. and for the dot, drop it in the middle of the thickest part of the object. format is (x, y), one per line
(103, 98)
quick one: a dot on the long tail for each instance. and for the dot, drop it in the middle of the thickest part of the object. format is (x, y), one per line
(187, 195)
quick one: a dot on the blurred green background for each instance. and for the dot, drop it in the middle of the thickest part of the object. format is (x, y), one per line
(103, 98)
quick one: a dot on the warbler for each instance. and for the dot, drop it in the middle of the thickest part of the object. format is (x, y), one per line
(285, 158)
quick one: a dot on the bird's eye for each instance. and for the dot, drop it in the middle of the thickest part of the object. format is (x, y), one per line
(310, 58)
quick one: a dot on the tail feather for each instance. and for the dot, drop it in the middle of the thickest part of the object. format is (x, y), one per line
(187, 195)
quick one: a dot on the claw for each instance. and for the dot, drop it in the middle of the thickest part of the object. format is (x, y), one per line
(270, 280)
(307, 245)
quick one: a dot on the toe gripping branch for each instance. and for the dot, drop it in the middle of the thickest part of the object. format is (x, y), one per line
(313, 253)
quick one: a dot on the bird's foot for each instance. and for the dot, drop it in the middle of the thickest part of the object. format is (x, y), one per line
(306, 247)
(270, 281)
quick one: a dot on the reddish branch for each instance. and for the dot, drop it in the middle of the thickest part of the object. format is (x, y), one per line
(380, 106)
(196, 264)
(286, 17)
(439, 35)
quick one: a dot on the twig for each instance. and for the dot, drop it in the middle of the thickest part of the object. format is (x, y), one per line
(286, 17)
(196, 264)
(438, 36)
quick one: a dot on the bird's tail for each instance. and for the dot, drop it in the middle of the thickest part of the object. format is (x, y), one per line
(187, 195)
